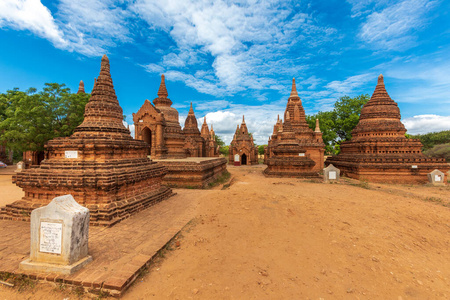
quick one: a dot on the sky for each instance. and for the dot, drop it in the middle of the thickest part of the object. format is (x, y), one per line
(234, 58)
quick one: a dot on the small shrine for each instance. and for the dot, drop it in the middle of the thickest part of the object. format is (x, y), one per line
(242, 147)
(294, 149)
(101, 165)
(379, 151)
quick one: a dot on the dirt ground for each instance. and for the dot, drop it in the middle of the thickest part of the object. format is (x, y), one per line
(271, 238)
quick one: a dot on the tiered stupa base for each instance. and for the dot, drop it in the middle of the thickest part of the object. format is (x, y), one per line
(385, 169)
(291, 159)
(193, 172)
(112, 190)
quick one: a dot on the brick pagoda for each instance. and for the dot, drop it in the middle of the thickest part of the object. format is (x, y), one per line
(242, 147)
(379, 150)
(100, 165)
(190, 155)
(294, 149)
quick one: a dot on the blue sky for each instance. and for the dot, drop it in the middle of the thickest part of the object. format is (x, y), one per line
(237, 57)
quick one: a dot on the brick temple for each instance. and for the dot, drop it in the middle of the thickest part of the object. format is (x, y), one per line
(242, 147)
(190, 155)
(100, 165)
(158, 125)
(294, 149)
(379, 151)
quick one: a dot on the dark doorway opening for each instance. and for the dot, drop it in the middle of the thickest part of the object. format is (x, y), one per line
(243, 159)
(147, 137)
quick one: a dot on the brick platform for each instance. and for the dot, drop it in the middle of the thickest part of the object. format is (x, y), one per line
(119, 253)
(192, 172)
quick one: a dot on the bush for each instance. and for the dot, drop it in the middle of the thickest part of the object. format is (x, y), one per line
(439, 151)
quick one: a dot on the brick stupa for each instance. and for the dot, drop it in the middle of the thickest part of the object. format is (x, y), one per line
(243, 146)
(379, 151)
(100, 165)
(294, 149)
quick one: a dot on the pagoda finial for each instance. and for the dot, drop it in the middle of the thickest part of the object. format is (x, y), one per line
(191, 109)
(294, 89)
(317, 126)
(380, 80)
(243, 119)
(204, 120)
(162, 92)
(81, 87)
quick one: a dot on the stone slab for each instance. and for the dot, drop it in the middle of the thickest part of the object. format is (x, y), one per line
(111, 248)
(38, 267)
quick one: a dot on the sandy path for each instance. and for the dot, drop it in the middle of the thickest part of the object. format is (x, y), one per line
(295, 239)
(9, 192)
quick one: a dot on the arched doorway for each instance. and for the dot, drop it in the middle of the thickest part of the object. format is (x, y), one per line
(147, 137)
(243, 159)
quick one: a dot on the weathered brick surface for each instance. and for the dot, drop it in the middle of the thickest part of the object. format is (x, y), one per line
(379, 150)
(111, 176)
(117, 258)
(193, 172)
(294, 149)
(242, 143)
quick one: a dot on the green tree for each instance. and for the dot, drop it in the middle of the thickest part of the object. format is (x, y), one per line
(347, 111)
(261, 149)
(327, 127)
(219, 140)
(337, 125)
(31, 119)
(429, 140)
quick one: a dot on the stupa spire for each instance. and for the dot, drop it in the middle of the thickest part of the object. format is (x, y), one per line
(317, 126)
(380, 80)
(294, 89)
(81, 87)
(162, 92)
(103, 114)
(243, 119)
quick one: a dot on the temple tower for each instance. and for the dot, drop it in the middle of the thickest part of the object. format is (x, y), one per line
(294, 149)
(379, 150)
(159, 127)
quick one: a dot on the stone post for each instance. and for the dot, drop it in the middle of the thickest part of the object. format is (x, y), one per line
(59, 237)
(436, 177)
(331, 174)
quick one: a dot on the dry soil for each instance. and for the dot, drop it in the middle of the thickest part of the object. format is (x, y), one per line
(271, 238)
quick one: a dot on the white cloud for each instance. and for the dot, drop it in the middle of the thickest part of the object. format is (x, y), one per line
(33, 16)
(348, 85)
(394, 27)
(245, 43)
(426, 123)
(259, 119)
(88, 27)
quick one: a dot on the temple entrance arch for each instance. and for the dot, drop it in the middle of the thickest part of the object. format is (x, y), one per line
(244, 159)
(147, 137)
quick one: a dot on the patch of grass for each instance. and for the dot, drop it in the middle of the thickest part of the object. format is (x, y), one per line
(21, 282)
(437, 200)
(220, 180)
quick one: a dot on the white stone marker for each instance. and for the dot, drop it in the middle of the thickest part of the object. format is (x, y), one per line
(19, 166)
(331, 174)
(436, 177)
(59, 237)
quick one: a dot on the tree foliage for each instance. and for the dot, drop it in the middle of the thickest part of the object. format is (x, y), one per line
(429, 140)
(337, 125)
(29, 119)
(439, 151)
(261, 149)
